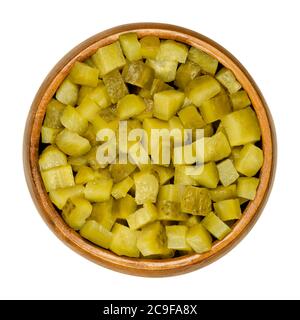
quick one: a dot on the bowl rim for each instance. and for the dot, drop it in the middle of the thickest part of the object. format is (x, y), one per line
(106, 258)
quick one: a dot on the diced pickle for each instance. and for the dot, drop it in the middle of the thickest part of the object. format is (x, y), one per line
(146, 185)
(196, 201)
(175, 123)
(88, 109)
(72, 143)
(164, 69)
(58, 177)
(131, 46)
(102, 213)
(139, 74)
(240, 100)
(176, 237)
(121, 171)
(223, 193)
(250, 160)
(206, 62)
(215, 226)
(215, 108)
(164, 173)
(129, 106)
(53, 113)
(182, 176)
(242, 127)
(208, 175)
(84, 75)
(228, 209)
(173, 51)
(60, 196)
(83, 92)
(121, 188)
(100, 96)
(116, 88)
(228, 80)
(191, 118)
(158, 85)
(98, 190)
(84, 175)
(152, 240)
(72, 120)
(109, 58)
(96, 233)
(142, 216)
(149, 47)
(123, 207)
(202, 88)
(76, 211)
(52, 157)
(185, 73)
(48, 135)
(199, 238)
(227, 172)
(124, 241)
(246, 187)
(67, 93)
(167, 103)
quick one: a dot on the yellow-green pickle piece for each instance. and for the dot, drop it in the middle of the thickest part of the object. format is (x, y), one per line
(206, 62)
(76, 211)
(228, 80)
(199, 238)
(124, 241)
(131, 46)
(147, 186)
(196, 201)
(227, 172)
(123, 207)
(98, 190)
(149, 46)
(139, 74)
(223, 193)
(239, 100)
(215, 226)
(67, 93)
(58, 177)
(246, 187)
(142, 216)
(228, 209)
(176, 237)
(103, 214)
(60, 196)
(54, 111)
(84, 75)
(96, 233)
(72, 120)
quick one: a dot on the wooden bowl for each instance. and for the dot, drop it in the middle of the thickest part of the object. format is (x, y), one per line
(145, 267)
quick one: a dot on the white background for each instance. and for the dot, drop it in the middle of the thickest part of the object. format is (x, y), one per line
(263, 35)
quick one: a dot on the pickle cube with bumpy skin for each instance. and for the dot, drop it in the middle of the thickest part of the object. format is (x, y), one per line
(227, 172)
(191, 118)
(215, 226)
(115, 85)
(129, 106)
(215, 108)
(123, 207)
(223, 193)
(76, 211)
(142, 216)
(242, 127)
(67, 93)
(202, 88)
(196, 201)
(228, 209)
(124, 241)
(96, 233)
(60, 196)
(250, 160)
(199, 238)
(240, 100)
(72, 143)
(58, 177)
(121, 188)
(246, 187)
(51, 157)
(121, 171)
(173, 51)
(131, 46)
(109, 58)
(72, 120)
(176, 236)
(150, 46)
(53, 113)
(165, 70)
(228, 80)
(167, 103)
(84, 75)
(152, 240)
(102, 213)
(206, 62)
(138, 74)
(147, 186)
(98, 190)
(185, 73)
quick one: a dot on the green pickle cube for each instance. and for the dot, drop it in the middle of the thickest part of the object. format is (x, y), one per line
(191, 118)
(150, 46)
(123, 207)
(215, 226)
(67, 93)
(115, 86)
(172, 50)
(176, 237)
(206, 62)
(223, 193)
(228, 209)
(142, 216)
(102, 213)
(84, 75)
(228, 80)
(138, 74)
(98, 190)
(131, 46)
(246, 187)
(96, 233)
(129, 106)
(195, 201)
(199, 238)
(227, 172)
(240, 100)
(185, 73)
(58, 177)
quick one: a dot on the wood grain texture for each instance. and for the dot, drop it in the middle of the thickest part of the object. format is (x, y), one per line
(145, 267)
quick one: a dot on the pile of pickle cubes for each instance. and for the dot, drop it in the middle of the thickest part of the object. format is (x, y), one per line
(152, 211)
